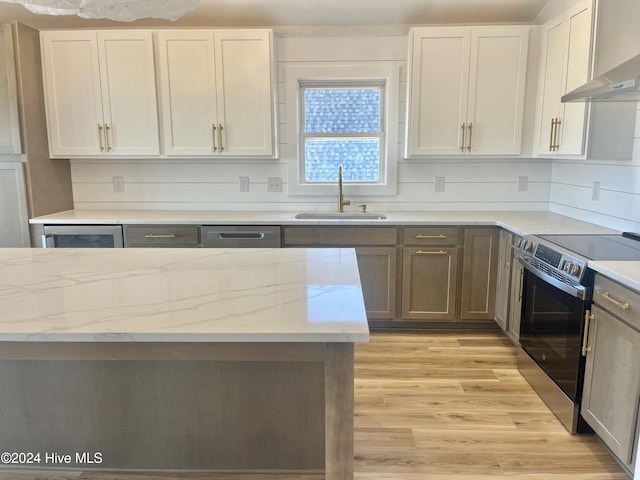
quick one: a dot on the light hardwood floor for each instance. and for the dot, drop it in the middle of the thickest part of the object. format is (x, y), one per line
(444, 406)
(440, 406)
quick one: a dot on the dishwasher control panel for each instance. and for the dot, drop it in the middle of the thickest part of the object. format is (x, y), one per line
(238, 236)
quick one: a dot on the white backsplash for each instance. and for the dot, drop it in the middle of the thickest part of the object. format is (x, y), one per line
(619, 203)
(470, 184)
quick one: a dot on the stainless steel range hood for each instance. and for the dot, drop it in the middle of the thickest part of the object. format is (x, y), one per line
(620, 84)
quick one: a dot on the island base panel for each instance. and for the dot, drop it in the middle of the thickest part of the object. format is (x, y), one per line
(243, 414)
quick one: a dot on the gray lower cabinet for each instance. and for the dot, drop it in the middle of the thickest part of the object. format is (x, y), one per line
(377, 267)
(515, 295)
(504, 280)
(377, 260)
(417, 274)
(150, 236)
(611, 394)
(479, 274)
(429, 283)
(430, 263)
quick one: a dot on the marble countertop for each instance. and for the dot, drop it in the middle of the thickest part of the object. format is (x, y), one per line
(181, 295)
(626, 273)
(519, 222)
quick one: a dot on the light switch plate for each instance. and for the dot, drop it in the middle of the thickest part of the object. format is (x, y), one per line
(595, 192)
(243, 184)
(438, 185)
(274, 184)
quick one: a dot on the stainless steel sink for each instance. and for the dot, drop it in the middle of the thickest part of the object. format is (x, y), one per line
(340, 216)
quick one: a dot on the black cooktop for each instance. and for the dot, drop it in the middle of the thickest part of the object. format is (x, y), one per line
(599, 247)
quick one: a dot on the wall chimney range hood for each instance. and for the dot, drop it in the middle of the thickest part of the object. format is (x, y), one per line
(620, 84)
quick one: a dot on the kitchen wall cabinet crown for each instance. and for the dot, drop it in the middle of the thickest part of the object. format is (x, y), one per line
(216, 91)
(465, 90)
(100, 93)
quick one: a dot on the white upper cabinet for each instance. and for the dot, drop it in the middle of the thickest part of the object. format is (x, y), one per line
(466, 90)
(100, 93)
(564, 66)
(216, 91)
(9, 121)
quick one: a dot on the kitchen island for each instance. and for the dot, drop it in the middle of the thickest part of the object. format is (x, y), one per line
(180, 359)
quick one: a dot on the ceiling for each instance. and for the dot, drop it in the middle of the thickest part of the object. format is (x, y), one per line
(296, 13)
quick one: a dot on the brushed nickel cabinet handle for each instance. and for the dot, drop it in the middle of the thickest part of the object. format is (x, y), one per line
(100, 137)
(429, 252)
(607, 296)
(470, 135)
(431, 236)
(553, 125)
(220, 137)
(160, 235)
(462, 144)
(213, 134)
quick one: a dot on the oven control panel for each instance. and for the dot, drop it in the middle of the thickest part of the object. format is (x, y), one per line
(551, 257)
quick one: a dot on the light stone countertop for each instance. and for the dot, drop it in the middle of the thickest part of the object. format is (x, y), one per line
(519, 222)
(626, 273)
(181, 295)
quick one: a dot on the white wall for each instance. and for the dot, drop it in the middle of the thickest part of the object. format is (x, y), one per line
(619, 203)
(470, 184)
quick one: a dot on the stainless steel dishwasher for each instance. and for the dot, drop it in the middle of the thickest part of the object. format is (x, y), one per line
(232, 236)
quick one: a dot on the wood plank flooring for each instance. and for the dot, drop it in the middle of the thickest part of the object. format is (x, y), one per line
(439, 406)
(443, 406)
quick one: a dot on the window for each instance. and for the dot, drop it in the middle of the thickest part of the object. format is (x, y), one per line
(342, 126)
(342, 114)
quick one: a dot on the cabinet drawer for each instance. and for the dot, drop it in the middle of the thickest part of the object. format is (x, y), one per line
(161, 236)
(340, 236)
(431, 236)
(621, 301)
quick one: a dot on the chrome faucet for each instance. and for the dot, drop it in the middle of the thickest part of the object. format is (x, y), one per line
(341, 201)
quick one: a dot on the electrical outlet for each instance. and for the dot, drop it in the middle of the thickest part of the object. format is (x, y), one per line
(118, 184)
(595, 192)
(523, 183)
(243, 183)
(274, 184)
(438, 185)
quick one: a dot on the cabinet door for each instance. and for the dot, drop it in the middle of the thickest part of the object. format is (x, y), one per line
(573, 127)
(496, 90)
(479, 272)
(377, 268)
(504, 279)
(438, 93)
(550, 83)
(429, 278)
(72, 92)
(612, 383)
(245, 92)
(129, 92)
(9, 121)
(14, 217)
(186, 61)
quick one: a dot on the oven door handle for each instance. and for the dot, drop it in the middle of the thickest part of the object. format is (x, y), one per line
(577, 291)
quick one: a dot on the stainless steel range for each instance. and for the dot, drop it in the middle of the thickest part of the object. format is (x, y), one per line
(557, 289)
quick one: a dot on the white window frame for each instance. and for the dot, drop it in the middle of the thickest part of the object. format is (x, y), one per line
(386, 73)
